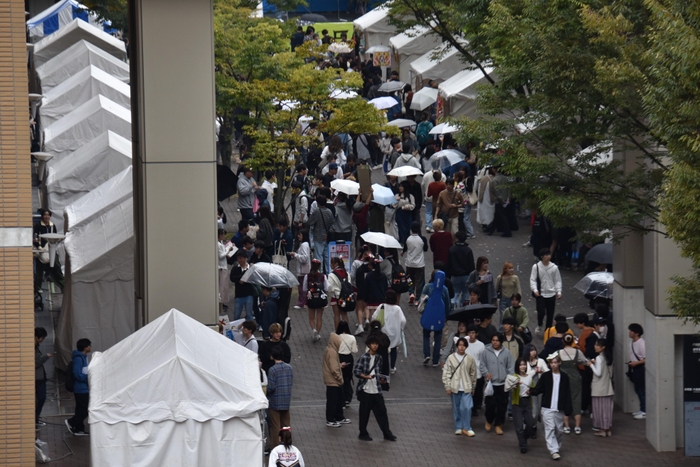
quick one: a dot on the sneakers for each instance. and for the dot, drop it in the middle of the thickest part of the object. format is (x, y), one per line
(595, 429)
(458, 432)
(538, 330)
(469, 433)
(333, 424)
(435, 365)
(426, 360)
(41, 423)
(430, 230)
(641, 416)
(315, 336)
(577, 430)
(523, 450)
(567, 430)
(392, 371)
(365, 438)
(602, 434)
(359, 329)
(344, 421)
(75, 433)
(412, 299)
(297, 307)
(366, 325)
(556, 456)
(499, 430)
(81, 433)
(390, 438)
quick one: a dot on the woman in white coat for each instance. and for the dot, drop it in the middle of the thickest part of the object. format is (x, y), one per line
(393, 323)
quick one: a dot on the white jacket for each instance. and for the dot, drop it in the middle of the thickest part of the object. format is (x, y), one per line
(303, 257)
(550, 279)
(394, 322)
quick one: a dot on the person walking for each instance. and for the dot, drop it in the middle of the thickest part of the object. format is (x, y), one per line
(507, 285)
(336, 279)
(333, 379)
(414, 249)
(303, 257)
(405, 202)
(81, 389)
(280, 379)
(476, 350)
(320, 223)
(496, 364)
(571, 358)
(545, 284)
(369, 391)
(434, 315)
(447, 208)
(482, 278)
(460, 264)
(459, 379)
(315, 287)
(347, 348)
(535, 367)
(519, 314)
(602, 392)
(637, 360)
(440, 242)
(393, 322)
(286, 454)
(520, 384)
(40, 374)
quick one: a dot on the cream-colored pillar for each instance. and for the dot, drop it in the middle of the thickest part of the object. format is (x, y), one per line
(172, 82)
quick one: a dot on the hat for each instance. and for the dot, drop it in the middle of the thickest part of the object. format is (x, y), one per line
(332, 166)
(600, 321)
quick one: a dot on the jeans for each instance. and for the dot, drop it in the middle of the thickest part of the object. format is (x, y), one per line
(40, 398)
(239, 303)
(81, 412)
(428, 213)
(437, 340)
(640, 386)
(523, 421)
(321, 254)
(545, 306)
(461, 290)
(496, 406)
(462, 404)
(467, 220)
(373, 403)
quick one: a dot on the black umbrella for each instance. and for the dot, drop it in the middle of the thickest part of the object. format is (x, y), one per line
(601, 253)
(471, 312)
(226, 182)
(313, 18)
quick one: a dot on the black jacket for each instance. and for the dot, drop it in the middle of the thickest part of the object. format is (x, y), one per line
(461, 260)
(265, 258)
(544, 387)
(243, 289)
(265, 352)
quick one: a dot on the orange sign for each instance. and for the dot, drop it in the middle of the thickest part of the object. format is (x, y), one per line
(381, 58)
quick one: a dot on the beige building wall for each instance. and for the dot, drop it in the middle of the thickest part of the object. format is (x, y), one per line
(16, 292)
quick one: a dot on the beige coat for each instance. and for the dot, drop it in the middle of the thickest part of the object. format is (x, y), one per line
(464, 374)
(332, 374)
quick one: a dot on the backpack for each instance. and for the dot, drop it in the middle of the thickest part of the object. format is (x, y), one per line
(70, 377)
(346, 298)
(423, 132)
(316, 297)
(400, 282)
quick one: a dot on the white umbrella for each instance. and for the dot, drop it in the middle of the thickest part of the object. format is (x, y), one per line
(402, 123)
(405, 171)
(346, 186)
(269, 275)
(443, 128)
(339, 48)
(448, 157)
(424, 98)
(384, 102)
(340, 94)
(382, 195)
(391, 86)
(378, 48)
(596, 284)
(381, 239)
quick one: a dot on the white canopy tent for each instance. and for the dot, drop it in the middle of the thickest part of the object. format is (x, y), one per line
(80, 88)
(409, 46)
(83, 124)
(375, 26)
(176, 393)
(459, 92)
(77, 57)
(424, 68)
(84, 170)
(77, 30)
(98, 299)
(57, 16)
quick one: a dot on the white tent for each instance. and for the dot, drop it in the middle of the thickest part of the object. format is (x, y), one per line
(84, 170)
(57, 16)
(98, 299)
(424, 68)
(459, 92)
(409, 46)
(176, 393)
(375, 26)
(77, 57)
(77, 30)
(80, 88)
(83, 124)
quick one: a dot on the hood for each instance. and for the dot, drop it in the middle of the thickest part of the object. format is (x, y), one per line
(334, 341)
(406, 157)
(77, 353)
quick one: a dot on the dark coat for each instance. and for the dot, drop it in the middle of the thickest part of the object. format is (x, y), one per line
(544, 387)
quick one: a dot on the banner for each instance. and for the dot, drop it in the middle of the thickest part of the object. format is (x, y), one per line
(341, 249)
(381, 58)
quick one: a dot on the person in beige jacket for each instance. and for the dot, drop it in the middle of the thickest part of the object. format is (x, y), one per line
(459, 378)
(333, 379)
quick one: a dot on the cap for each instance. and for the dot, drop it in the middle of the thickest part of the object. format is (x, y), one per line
(332, 166)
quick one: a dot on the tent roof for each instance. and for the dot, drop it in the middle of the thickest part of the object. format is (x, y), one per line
(80, 88)
(174, 368)
(406, 40)
(461, 83)
(375, 20)
(52, 45)
(58, 16)
(447, 53)
(75, 58)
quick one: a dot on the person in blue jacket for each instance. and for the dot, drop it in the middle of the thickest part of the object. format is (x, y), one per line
(81, 390)
(434, 315)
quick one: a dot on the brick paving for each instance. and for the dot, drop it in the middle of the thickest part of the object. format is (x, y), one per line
(420, 413)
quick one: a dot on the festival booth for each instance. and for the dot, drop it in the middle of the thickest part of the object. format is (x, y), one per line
(76, 58)
(87, 168)
(458, 94)
(75, 31)
(58, 16)
(425, 68)
(98, 298)
(375, 26)
(84, 124)
(176, 392)
(409, 46)
(80, 88)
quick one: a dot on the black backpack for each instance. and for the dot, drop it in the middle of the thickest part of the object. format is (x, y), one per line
(70, 377)
(400, 282)
(316, 297)
(346, 298)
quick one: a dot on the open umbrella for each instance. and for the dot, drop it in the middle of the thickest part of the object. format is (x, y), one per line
(339, 48)
(597, 284)
(443, 128)
(384, 102)
(405, 171)
(471, 312)
(381, 239)
(270, 275)
(345, 186)
(382, 195)
(402, 123)
(392, 86)
(424, 98)
(313, 18)
(448, 157)
(340, 94)
(226, 182)
(601, 253)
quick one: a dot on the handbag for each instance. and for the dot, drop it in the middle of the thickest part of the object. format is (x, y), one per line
(539, 283)
(279, 257)
(380, 314)
(630, 369)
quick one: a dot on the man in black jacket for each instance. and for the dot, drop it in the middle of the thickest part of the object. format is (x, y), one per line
(460, 264)
(243, 297)
(556, 402)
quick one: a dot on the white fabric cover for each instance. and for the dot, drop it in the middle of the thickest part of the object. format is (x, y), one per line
(84, 124)
(77, 30)
(174, 369)
(77, 57)
(409, 46)
(459, 92)
(375, 26)
(62, 14)
(236, 442)
(84, 170)
(424, 68)
(80, 88)
(98, 299)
